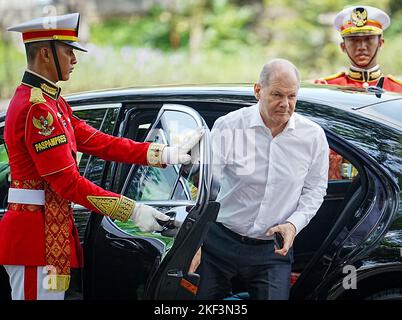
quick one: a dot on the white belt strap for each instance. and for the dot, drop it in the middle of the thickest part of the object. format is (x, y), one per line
(26, 196)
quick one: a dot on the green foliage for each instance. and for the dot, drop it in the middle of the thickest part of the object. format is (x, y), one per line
(12, 65)
(227, 27)
(150, 31)
(212, 41)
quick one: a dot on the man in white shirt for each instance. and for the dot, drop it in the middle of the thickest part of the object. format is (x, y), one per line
(273, 168)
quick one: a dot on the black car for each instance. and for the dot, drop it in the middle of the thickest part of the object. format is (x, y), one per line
(350, 250)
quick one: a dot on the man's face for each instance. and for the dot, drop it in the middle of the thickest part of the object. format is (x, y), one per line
(362, 49)
(67, 59)
(277, 99)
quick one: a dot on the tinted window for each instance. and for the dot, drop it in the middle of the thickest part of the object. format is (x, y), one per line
(390, 111)
(103, 120)
(164, 184)
(92, 167)
(151, 183)
(340, 168)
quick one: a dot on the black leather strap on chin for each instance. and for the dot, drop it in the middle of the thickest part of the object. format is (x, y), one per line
(56, 60)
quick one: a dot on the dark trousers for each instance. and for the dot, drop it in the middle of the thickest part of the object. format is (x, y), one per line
(266, 276)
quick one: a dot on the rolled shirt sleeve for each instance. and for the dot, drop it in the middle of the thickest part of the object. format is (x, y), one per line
(315, 185)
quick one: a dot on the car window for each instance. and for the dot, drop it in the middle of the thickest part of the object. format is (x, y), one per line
(156, 184)
(91, 167)
(170, 184)
(340, 168)
(104, 120)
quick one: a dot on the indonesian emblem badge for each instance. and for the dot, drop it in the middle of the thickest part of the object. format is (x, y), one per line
(44, 124)
(359, 17)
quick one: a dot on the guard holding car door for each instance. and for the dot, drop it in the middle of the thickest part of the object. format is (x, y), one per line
(38, 238)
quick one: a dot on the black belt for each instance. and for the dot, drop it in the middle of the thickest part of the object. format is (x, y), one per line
(241, 238)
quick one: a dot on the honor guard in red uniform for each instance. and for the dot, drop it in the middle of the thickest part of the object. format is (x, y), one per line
(361, 28)
(38, 239)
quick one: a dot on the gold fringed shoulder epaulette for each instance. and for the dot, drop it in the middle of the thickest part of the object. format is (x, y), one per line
(392, 78)
(334, 76)
(36, 96)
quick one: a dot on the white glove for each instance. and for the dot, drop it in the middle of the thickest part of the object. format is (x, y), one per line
(178, 154)
(144, 217)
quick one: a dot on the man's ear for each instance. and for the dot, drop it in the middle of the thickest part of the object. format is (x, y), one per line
(257, 89)
(45, 54)
(381, 42)
(342, 46)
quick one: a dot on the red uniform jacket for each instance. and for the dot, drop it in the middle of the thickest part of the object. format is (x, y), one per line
(42, 138)
(354, 78)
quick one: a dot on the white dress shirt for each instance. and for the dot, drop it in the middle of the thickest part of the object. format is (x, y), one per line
(264, 180)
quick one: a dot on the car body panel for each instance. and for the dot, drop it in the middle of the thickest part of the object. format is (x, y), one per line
(371, 208)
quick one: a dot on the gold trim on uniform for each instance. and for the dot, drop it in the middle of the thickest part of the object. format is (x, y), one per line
(68, 38)
(394, 79)
(336, 75)
(114, 207)
(58, 282)
(124, 209)
(364, 76)
(154, 154)
(36, 95)
(48, 89)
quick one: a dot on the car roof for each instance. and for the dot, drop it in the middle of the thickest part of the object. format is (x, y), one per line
(347, 98)
(341, 97)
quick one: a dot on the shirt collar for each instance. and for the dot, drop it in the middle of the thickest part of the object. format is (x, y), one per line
(256, 119)
(49, 88)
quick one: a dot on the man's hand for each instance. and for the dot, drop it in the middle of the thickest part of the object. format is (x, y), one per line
(144, 217)
(288, 232)
(178, 154)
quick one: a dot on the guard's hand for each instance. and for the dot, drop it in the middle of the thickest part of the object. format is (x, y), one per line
(288, 232)
(178, 154)
(145, 218)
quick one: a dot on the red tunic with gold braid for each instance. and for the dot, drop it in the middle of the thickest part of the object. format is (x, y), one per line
(360, 78)
(355, 78)
(42, 138)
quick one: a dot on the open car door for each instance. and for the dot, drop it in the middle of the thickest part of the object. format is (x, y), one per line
(121, 262)
(362, 210)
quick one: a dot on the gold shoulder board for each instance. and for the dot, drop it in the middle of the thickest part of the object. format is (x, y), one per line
(36, 96)
(394, 79)
(336, 75)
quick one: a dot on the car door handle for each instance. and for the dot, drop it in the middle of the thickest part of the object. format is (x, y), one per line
(125, 244)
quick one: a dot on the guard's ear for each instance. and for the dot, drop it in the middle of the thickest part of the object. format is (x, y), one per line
(342, 46)
(381, 42)
(45, 53)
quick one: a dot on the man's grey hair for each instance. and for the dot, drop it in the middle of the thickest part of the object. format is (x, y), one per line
(276, 66)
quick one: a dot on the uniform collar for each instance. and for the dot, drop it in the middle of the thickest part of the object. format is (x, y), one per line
(48, 87)
(364, 75)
